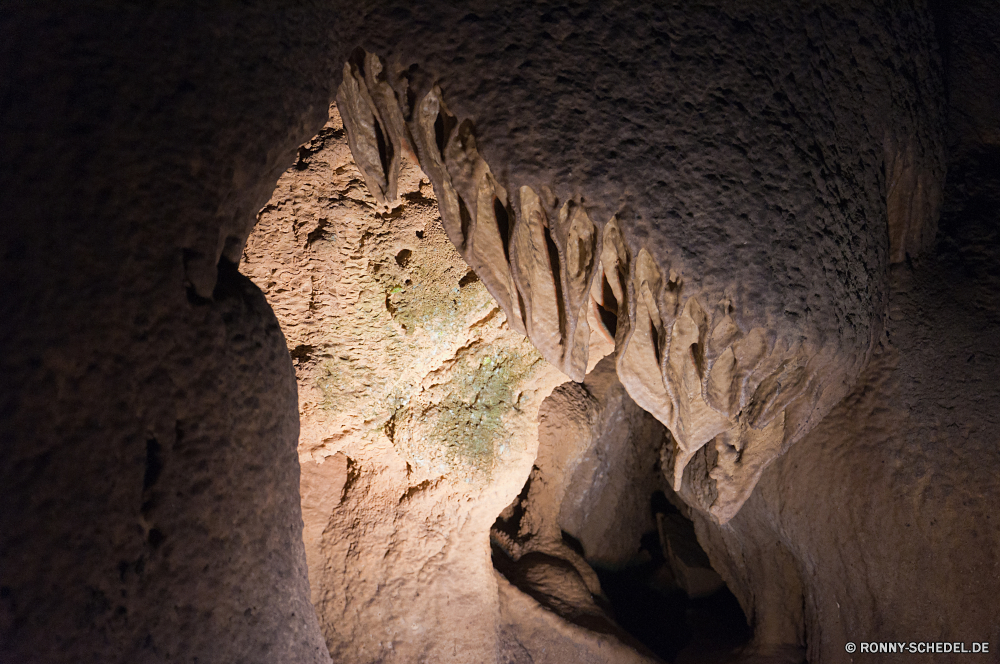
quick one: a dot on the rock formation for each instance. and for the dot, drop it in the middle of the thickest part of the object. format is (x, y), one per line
(418, 407)
(421, 415)
(737, 358)
(739, 201)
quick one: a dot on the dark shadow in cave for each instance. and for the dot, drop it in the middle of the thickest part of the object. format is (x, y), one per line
(650, 603)
(673, 605)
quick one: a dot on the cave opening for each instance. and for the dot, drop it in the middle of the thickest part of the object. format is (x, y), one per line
(674, 602)
(598, 537)
(668, 600)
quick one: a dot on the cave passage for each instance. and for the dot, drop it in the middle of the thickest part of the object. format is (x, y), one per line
(669, 599)
(648, 602)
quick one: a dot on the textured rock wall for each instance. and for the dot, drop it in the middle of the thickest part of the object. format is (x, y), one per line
(140, 142)
(881, 524)
(606, 505)
(728, 173)
(149, 507)
(588, 481)
(418, 408)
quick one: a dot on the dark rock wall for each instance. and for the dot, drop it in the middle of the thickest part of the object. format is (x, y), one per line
(881, 525)
(147, 413)
(148, 424)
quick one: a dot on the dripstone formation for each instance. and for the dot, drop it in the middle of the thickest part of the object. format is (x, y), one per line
(775, 222)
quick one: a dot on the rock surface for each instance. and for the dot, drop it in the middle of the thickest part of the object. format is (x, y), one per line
(881, 524)
(588, 484)
(150, 510)
(418, 407)
(708, 183)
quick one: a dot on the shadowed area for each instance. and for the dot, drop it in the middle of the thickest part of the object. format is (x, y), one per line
(390, 332)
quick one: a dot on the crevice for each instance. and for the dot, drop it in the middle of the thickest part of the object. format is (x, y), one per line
(655, 342)
(469, 279)
(302, 352)
(444, 125)
(503, 226)
(553, 254)
(698, 356)
(508, 523)
(661, 603)
(521, 307)
(607, 307)
(609, 320)
(384, 149)
(465, 221)
(414, 490)
(608, 300)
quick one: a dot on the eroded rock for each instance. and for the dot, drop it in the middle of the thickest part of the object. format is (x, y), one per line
(735, 354)
(418, 407)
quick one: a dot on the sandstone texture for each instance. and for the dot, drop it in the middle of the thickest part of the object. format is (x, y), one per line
(739, 200)
(709, 188)
(418, 407)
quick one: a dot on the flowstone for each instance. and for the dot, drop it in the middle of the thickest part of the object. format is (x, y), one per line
(418, 408)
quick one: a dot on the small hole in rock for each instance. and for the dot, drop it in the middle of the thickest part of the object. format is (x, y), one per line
(403, 258)
(302, 352)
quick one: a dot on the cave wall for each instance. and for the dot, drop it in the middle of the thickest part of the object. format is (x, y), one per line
(150, 505)
(147, 413)
(418, 407)
(732, 170)
(880, 526)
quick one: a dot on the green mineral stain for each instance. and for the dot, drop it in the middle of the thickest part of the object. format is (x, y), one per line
(395, 301)
(470, 423)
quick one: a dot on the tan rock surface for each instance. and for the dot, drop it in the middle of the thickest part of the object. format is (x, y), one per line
(418, 408)
(735, 388)
(587, 502)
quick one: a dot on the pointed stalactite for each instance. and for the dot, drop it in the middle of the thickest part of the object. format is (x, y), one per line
(488, 255)
(741, 455)
(697, 422)
(532, 270)
(431, 128)
(374, 145)
(576, 241)
(640, 341)
(481, 201)
(733, 399)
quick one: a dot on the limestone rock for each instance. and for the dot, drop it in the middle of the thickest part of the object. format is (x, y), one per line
(418, 406)
(733, 353)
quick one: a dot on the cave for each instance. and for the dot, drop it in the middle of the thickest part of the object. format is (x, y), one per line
(502, 333)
